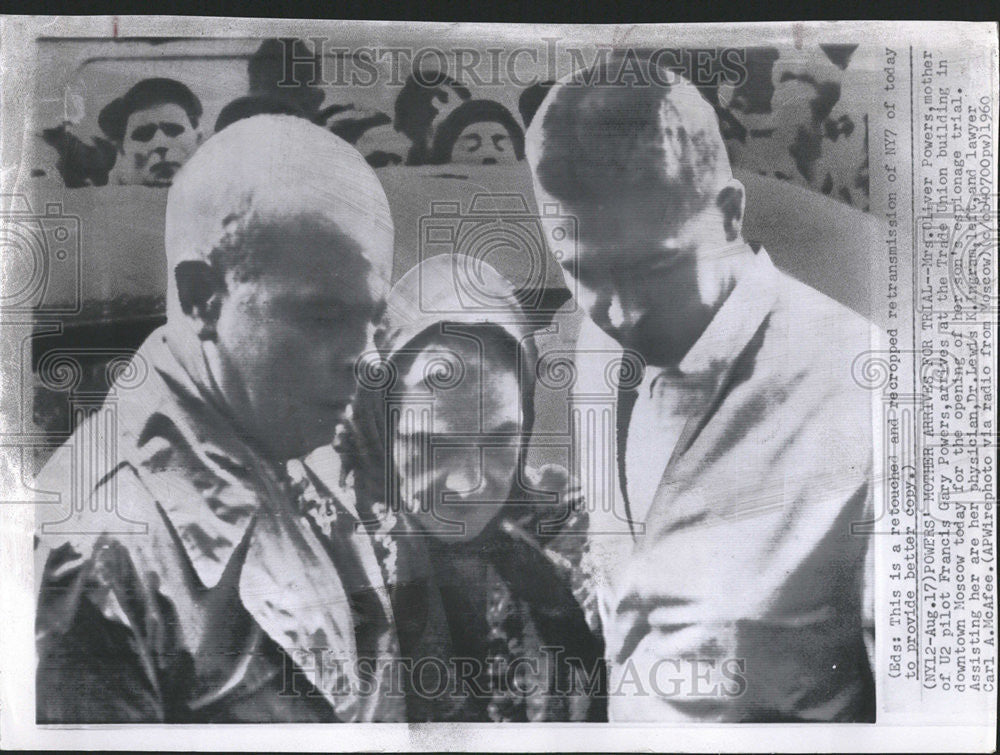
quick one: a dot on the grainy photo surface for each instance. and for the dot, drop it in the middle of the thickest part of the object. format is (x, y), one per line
(627, 384)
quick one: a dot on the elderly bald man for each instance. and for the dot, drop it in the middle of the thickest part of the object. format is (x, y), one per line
(744, 453)
(200, 593)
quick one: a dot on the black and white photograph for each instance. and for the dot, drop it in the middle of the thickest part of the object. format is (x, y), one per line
(625, 383)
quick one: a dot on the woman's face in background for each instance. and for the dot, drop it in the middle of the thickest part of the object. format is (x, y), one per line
(455, 420)
(484, 143)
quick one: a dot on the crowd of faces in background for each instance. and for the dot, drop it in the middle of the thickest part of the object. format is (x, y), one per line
(792, 119)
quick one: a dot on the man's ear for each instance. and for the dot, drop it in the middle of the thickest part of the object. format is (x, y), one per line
(200, 288)
(731, 200)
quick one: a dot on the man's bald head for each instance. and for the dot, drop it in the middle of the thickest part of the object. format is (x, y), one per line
(602, 132)
(269, 172)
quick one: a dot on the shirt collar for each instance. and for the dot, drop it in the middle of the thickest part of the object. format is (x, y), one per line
(218, 493)
(208, 481)
(737, 320)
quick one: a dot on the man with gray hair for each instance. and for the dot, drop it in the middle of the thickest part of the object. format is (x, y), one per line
(179, 581)
(744, 456)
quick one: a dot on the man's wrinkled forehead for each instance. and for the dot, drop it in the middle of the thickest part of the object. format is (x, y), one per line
(619, 218)
(315, 244)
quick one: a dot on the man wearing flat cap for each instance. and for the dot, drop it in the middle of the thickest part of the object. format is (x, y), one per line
(155, 128)
(202, 593)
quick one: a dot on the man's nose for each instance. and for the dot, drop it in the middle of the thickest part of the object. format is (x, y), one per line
(595, 303)
(620, 314)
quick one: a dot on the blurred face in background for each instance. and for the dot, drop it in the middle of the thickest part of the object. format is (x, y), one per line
(383, 146)
(485, 143)
(456, 438)
(158, 141)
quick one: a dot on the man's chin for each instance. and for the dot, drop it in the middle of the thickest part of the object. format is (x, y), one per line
(625, 338)
(642, 342)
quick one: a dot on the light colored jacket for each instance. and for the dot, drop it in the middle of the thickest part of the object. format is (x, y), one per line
(177, 582)
(739, 596)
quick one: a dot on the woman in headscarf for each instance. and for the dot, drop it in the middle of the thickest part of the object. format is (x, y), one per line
(438, 441)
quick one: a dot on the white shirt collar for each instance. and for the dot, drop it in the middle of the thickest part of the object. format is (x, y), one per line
(729, 331)
(738, 318)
